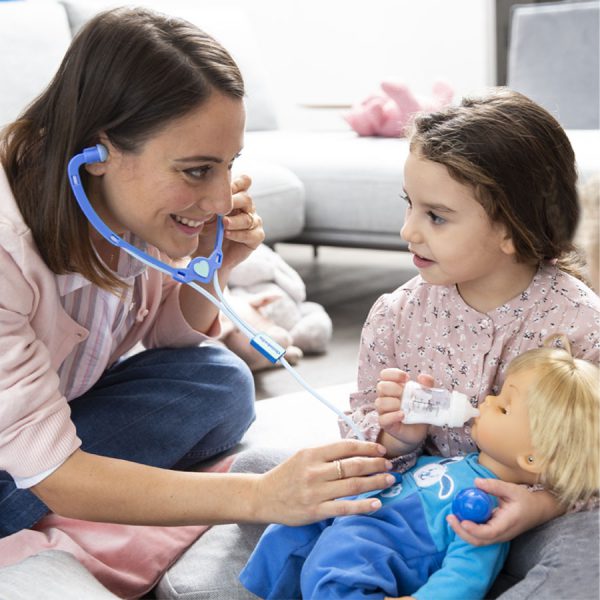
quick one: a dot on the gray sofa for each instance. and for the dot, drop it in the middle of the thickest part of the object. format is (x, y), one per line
(319, 187)
(325, 187)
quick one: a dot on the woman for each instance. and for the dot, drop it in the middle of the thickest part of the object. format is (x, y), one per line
(87, 433)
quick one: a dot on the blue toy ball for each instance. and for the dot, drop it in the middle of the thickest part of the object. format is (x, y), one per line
(473, 504)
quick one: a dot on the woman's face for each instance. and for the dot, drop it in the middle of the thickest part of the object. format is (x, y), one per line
(177, 181)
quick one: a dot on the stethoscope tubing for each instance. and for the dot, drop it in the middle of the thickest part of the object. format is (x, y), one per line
(203, 269)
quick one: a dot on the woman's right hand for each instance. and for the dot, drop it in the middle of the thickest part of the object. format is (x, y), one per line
(305, 488)
(387, 404)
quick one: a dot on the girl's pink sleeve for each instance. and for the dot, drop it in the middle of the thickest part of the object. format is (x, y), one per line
(376, 352)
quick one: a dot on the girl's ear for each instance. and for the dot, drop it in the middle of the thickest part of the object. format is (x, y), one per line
(506, 245)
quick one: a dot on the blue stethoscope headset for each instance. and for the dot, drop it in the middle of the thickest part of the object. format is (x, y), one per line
(204, 269)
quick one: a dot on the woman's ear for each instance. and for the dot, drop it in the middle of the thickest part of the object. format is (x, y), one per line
(99, 168)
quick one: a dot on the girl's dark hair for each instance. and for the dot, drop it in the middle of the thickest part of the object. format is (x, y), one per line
(127, 73)
(520, 165)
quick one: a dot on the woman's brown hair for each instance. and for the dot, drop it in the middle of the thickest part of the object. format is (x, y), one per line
(127, 73)
(520, 164)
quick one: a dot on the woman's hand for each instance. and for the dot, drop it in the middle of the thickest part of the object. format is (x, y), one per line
(243, 227)
(387, 404)
(304, 488)
(519, 510)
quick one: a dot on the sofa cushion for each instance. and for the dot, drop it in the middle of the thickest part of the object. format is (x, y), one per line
(297, 420)
(553, 59)
(352, 184)
(278, 195)
(230, 27)
(33, 39)
(586, 144)
(52, 575)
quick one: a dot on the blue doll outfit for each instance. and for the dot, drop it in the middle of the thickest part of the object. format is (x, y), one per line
(404, 548)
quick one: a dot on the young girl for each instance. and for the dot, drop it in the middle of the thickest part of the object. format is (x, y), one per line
(492, 209)
(542, 426)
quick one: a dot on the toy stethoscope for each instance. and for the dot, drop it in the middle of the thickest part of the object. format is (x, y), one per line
(198, 269)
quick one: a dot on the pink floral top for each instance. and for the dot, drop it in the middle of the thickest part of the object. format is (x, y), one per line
(424, 328)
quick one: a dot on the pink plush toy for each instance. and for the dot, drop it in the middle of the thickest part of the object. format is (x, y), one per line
(389, 114)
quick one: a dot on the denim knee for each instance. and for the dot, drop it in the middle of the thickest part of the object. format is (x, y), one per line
(232, 407)
(162, 405)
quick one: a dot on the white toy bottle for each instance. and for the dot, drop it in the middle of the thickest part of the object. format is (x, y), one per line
(435, 406)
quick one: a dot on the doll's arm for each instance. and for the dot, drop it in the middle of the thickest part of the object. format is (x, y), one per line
(519, 509)
(467, 572)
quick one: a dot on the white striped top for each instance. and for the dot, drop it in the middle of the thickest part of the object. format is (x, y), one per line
(106, 315)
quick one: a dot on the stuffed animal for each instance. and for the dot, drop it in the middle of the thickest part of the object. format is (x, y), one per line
(388, 114)
(270, 296)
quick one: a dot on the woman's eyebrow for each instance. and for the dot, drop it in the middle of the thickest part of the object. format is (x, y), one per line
(199, 158)
(204, 158)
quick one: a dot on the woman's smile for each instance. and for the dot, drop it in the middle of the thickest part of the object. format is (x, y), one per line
(187, 226)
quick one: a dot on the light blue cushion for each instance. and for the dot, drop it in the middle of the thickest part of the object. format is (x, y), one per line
(553, 59)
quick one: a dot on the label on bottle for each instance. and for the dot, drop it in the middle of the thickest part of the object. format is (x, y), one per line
(421, 404)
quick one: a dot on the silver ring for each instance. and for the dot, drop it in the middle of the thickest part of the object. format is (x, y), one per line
(340, 469)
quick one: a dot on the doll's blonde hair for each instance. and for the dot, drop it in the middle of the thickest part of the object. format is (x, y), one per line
(563, 407)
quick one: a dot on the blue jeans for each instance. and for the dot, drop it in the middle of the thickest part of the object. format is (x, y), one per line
(168, 407)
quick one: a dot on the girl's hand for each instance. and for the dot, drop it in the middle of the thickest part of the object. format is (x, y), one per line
(243, 228)
(518, 511)
(387, 404)
(304, 488)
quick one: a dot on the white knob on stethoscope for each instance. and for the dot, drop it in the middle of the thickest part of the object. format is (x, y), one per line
(95, 154)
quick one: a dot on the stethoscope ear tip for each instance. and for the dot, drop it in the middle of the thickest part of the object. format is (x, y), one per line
(102, 152)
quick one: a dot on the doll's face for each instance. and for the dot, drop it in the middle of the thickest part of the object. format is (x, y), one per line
(502, 429)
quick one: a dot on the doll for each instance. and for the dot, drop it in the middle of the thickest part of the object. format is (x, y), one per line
(270, 295)
(541, 429)
(389, 113)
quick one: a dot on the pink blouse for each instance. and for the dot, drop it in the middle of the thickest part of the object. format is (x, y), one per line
(424, 328)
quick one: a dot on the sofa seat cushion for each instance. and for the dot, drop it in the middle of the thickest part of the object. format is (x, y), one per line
(586, 144)
(278, 195)
(297, 420)
(351, 183)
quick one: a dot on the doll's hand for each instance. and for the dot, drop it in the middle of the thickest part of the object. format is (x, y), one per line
(387, 404)
(518, 510)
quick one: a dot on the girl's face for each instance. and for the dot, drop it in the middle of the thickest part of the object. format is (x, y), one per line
(452, 238)
(178, 180)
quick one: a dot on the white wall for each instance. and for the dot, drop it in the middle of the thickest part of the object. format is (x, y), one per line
(338, 51)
